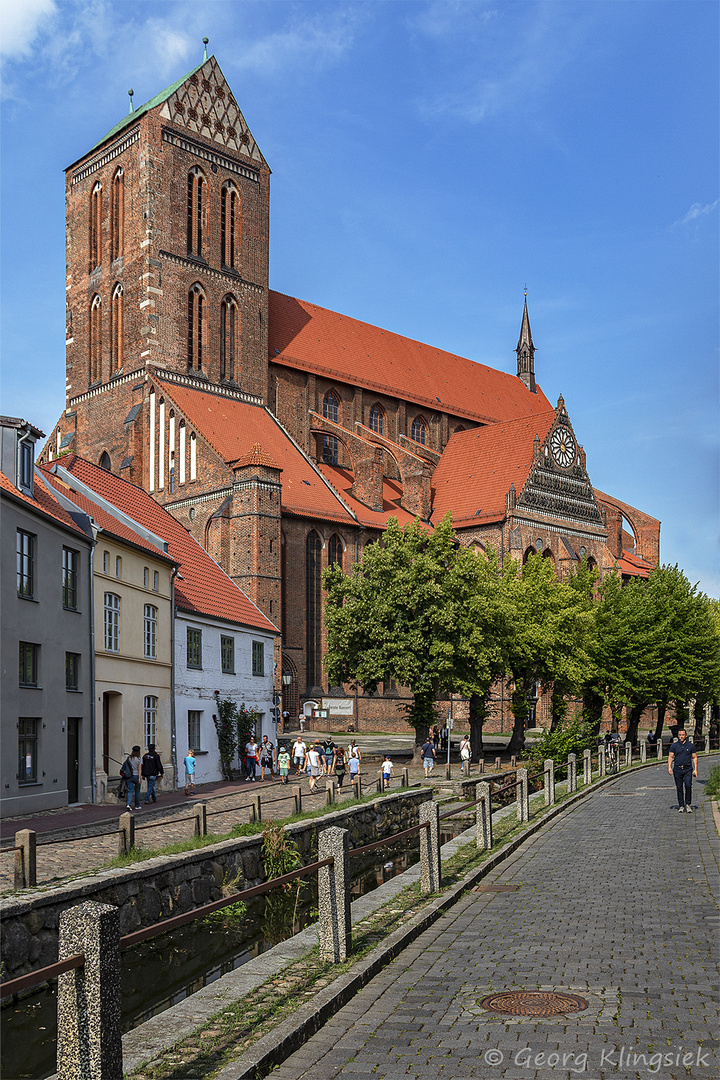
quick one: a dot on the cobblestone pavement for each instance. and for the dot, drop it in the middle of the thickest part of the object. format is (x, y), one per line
(617, 903)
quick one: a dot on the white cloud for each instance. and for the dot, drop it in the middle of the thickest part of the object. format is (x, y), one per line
(20, 23)
(309, 41)
(696, 210)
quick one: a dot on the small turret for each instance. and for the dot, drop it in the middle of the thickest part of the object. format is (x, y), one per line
(526, 352)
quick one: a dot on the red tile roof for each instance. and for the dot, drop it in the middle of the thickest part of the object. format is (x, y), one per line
(631, 565)
(342, 480)
(305, 336)
(43, 503)
(478, 466)
(233, 427)
(256, 456)
(205, 588)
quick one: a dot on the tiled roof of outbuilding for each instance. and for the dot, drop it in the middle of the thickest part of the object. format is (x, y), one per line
(305, 336)
(632, 565)
(203, 587)
(478, 466)
(43, 503)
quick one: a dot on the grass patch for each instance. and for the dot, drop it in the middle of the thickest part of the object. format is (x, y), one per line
(712, 784)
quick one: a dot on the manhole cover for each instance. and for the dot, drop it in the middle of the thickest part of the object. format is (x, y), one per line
(533, 1003)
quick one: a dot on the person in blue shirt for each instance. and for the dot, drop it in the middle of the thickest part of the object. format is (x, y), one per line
(190, 773)
(682, 766)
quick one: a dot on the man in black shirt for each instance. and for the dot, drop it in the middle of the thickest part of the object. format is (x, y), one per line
(683, 765)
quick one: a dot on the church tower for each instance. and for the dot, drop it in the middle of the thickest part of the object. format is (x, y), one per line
(526, 352)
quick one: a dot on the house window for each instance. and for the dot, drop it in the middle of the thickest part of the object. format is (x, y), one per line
(117, 215)
(195, 195)
(146, 578)
(258, 658)
(228, 337)
(118, 566)
(195, 328)
(229, 218)
(29, 655)
(156, 581)
(377, 419)
(116, 329)
(72, 671)
(335, 551)
(69, 578)
(25, 564)
(106, 562)
(227, 654)
(418, 431)
(194, 648)
(194, 720)
(95, 252)
(150, 719)
(331, 406)
(112, 622)
(28, 749)
(330, 451)
(25, 466)
(150, 631)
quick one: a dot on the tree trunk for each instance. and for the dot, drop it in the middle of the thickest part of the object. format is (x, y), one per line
(477, 714)
(681, 714)
(559, 708)
(520, 708)
(699, 711)
(592, 709)
(634, 722)
(615, 713)
(662, 709)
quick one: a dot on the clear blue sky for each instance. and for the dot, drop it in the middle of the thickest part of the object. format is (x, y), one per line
(428, 159)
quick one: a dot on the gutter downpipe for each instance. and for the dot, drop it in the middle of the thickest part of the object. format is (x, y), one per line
(173, 726)
(93, 711)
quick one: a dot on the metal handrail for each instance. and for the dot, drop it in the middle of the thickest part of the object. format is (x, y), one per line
(23, 982)
(386, 840)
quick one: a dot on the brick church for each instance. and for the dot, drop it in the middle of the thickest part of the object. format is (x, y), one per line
(281, 434)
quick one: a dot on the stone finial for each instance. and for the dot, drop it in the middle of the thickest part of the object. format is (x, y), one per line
(560, 404)
(430, 848)
(522, 796)
(334, 926)
(511, 498)
(483, 817)
(205, 43)
(131, 93)
(549, 779)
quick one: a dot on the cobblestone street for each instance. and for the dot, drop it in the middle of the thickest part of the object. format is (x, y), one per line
(615, 902)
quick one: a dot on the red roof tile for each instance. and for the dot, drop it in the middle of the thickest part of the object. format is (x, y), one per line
(232, 428)
(43, 503)
(479, 465)
(205, 588)
(342, 480)
(256, 456)
(303, 335)
(632, 565)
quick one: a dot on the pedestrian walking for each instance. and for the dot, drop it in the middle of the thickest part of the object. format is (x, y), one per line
(190, 772)
(301, 721)
(285, 719)
(267, 758)
(299, 751)
(353, 756)
(251, 758)
(465, 755)
(329, 753)
(436, 737)
(682, 766)
(131, 772)
(427, 753)
(314, 757)
(339, 765)
(387, 771)
(152, 770)
(283, 761)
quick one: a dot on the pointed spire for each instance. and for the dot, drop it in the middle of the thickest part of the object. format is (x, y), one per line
(526, 352)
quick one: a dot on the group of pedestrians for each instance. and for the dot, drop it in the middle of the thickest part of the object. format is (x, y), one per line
(325, 759)
(136, 769)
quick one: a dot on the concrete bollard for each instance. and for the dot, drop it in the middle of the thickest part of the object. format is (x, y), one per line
(297, 799)
(707, 744)
(89, 1046)
(659, 749)
(513, 761)
(483, 817)
(522, 797)
(430, 848)
(587, 767)
(255, 808)
(549, 781)
(602, 766)
(334, 895)
(498, 764)
(572, 773)
(628, 754)
(126, 833)
(643, 750)
(481, 764)
(330, 790)
(357, 788)
(404, 778)
(448, 772)
(380, 782)
(25, 859)
(200, 815)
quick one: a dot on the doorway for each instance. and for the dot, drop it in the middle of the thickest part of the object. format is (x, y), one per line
(73, 758)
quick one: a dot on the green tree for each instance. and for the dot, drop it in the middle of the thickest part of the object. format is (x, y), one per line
(396, 616)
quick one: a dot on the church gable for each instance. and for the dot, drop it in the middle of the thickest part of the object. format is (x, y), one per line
(204, 105)
(558, 484)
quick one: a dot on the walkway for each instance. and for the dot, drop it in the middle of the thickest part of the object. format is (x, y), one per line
(615, 902)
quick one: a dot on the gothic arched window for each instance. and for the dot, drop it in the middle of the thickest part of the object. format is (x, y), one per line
(313, 607)
(228, 336)
(117, 215)
(377, 419)
(418, 431)
(95, 340)
(335, 551)
(116, 329)
(229, 225)
(196, 327)
(105, 462)
(528, 552)
(95, 227)
(331, 406)
(195, 195)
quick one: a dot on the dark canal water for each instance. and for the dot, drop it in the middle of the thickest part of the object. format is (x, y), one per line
(159, 973)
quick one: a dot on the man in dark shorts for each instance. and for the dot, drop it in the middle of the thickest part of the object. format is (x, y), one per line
(683, 765)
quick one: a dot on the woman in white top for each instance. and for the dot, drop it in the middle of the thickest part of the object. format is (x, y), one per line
(314, 756)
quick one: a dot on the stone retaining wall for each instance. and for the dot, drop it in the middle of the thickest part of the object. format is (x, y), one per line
(168, 885)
